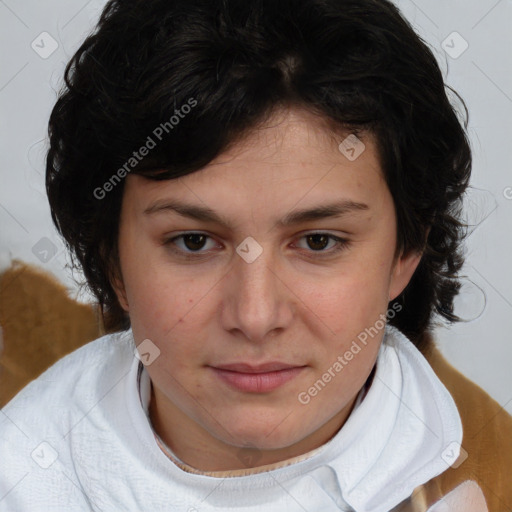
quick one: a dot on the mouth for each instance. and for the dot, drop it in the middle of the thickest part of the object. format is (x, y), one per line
(256, 378)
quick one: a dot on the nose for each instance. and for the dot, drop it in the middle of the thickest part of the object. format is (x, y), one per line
(257, 300)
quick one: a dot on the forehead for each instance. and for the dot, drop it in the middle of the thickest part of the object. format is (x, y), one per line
(292, 135)
(294, 157)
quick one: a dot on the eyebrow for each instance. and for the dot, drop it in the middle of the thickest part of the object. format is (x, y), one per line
(202, 213)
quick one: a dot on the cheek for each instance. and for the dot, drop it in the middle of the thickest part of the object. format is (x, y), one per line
(169, 306)
(162, 307)
(350, 301)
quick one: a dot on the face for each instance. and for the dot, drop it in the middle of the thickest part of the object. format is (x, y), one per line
(253, 276)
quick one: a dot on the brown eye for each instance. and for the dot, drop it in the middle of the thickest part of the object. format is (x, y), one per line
(317, 242)
(194, 241)
(324, 243)
(191, 244)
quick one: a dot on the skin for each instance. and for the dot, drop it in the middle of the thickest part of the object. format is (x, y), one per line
(298, 302)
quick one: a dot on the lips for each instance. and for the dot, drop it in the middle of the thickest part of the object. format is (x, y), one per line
(261, 368)
(261, 378)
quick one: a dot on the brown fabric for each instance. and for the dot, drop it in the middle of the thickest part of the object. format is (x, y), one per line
(40, 324)
(487, 439)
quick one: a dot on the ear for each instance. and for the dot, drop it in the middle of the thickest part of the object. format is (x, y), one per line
(118, 285)
(403, 269)
(114, 275)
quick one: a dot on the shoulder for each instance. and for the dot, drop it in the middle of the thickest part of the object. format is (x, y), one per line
(481, 414)
(43, 424)
(486, 451)
(50, 404)
(75, 374)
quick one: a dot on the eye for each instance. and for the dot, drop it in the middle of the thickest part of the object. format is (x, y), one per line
(318, 242)
(192, 242)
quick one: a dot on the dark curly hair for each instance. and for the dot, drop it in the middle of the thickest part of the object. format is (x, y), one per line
(355, 63)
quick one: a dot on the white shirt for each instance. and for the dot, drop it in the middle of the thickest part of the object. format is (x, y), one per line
(78, 439)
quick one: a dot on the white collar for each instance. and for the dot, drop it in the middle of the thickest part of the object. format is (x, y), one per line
(396, 439)
(406, 431)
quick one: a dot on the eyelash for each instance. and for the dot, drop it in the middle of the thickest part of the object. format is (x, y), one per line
(342, 244)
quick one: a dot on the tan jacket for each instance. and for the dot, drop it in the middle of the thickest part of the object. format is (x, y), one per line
(487, 444)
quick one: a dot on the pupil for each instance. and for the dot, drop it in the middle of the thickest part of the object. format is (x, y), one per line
(315, 238)
(197, 241)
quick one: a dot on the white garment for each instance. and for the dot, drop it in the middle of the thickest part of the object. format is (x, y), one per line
(78, 439)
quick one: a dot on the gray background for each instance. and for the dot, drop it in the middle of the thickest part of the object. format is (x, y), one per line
(472, 40)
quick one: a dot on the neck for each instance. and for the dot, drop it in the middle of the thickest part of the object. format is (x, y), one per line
(202, 452)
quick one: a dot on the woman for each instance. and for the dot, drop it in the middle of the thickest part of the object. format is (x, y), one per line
(264, 197)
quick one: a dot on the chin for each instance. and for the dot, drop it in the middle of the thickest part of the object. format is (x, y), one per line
(272, 434)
